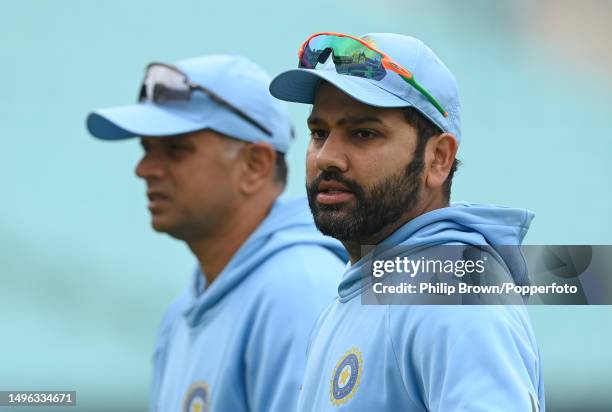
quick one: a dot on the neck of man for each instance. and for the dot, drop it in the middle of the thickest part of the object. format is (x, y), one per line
(215, 250)
(359, 247)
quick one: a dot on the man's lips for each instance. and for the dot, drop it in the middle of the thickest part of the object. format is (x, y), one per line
(156, 199)
(331, 192)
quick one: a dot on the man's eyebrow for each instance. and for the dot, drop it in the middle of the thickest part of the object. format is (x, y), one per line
(355, 120)
(313, 120)
(351, 120)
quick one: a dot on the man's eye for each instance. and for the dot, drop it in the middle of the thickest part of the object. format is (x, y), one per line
(318, 134)
(178, 148)
(365, 134)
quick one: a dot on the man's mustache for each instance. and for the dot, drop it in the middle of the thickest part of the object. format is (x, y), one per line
(350, 184)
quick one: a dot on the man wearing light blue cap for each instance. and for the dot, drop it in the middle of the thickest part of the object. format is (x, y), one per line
(214, 142)
(385, 129)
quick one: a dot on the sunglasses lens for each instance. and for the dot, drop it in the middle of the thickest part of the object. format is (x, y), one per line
(164, 84)
(349, 56)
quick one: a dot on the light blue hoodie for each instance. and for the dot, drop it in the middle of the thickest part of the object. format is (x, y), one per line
(418, 358)
(240, 344)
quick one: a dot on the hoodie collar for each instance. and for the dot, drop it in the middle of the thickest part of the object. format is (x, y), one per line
(460, 223)
(289, 222)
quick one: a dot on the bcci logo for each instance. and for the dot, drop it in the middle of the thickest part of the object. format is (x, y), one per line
(346, 377)
(197, 398)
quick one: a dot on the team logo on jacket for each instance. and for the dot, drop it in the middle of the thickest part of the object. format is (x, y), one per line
(197, 398)
(346, 377)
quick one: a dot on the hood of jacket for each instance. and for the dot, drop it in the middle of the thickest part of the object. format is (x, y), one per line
(461, 223)
(288, 223)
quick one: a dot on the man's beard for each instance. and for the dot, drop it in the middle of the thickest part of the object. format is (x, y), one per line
(383, 204)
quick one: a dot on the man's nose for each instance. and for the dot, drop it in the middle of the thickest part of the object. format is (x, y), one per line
(332, 154)
(150, 167)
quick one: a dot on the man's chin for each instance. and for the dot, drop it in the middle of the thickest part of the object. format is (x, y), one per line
(175, 228)
(159, 224)
(334, 223)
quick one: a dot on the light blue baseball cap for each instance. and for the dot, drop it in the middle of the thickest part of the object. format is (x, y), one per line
(234, 78)
(300, 85)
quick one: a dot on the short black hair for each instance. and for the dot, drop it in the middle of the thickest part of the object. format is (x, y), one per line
(280, 169)
(426, 129)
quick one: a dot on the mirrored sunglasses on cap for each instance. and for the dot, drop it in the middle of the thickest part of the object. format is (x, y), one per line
(356, 57)
(165, 83)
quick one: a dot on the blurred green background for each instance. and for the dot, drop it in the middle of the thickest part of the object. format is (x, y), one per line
(84, 280)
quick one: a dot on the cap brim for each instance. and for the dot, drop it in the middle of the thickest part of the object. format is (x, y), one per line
(137, 120)
(300, 85)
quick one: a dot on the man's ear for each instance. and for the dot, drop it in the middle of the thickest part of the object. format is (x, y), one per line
(441, 151)
(258, 160)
